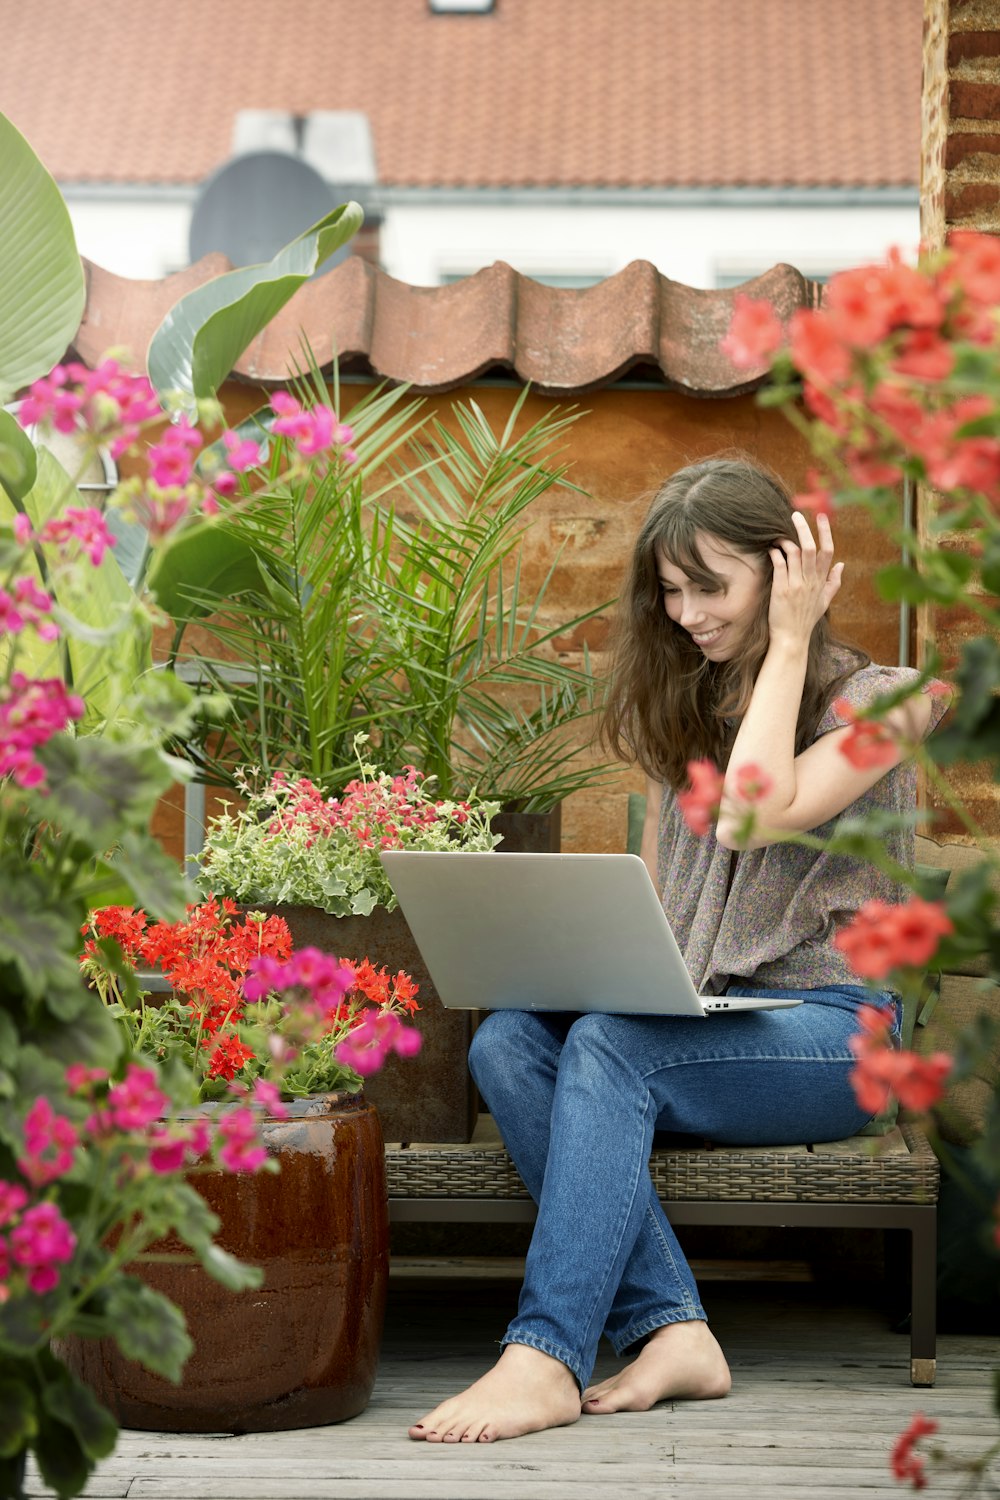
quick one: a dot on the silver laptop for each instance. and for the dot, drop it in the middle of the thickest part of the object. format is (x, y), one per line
(575, 932)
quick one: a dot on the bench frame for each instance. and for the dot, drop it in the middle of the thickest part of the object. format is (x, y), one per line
(480, 1167)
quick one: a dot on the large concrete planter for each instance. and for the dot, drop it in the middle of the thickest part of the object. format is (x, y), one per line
(301, 1350)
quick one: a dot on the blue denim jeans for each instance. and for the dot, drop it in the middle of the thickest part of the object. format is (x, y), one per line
(577, 1099)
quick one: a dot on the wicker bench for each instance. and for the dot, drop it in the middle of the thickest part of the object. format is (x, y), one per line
(888, 1182)
(884, 1182)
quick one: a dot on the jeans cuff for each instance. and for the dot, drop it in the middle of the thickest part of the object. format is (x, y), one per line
(620, 1342)
(571, 1360)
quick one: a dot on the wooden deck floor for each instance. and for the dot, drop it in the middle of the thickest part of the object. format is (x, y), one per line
(821, 1388)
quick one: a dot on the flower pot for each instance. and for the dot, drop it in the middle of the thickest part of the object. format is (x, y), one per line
(430, 1097)
(302, 1349)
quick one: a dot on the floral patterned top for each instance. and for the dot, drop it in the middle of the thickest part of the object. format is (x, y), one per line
(774, 924)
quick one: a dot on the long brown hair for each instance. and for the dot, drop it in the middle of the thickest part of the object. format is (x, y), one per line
(667, 703)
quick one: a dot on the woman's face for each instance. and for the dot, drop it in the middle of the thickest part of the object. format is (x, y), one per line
(716, 618)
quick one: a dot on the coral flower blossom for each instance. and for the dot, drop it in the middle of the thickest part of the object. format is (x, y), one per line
(907, 1465)
(869, 742)
(755, 333)
(699, 804)
(883, 937)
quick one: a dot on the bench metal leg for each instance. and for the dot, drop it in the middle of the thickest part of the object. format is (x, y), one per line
(923, 1316)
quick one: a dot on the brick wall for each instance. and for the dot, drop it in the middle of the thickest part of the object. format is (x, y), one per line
(960, 189)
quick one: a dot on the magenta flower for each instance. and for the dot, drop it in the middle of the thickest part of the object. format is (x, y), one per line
(312, 430)
(242, 453)
(31, 712)
(12, 1200)
(369, 1044)
(138, 1101)
(84, 525)
(171, 460)
(267, 1096)
(241, 1150)
(40, 1242)
(45, 1131)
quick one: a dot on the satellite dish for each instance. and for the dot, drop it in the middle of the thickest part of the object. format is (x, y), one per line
(255, 203)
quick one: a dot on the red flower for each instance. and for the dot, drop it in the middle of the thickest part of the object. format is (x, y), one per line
(907, 1465)
(917, 1082)
(818, 350)
(869, 741)
(228, 1058)
(699, 805)
(752, 783)
(881, 937)
(755, 333)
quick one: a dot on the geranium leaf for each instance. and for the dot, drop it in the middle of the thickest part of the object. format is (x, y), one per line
(232, 1273)
(97, 788)
(148, 1327)
(18, 1416)
(152, 876)
(63, 1464)
(74, 1405)
(33, 937)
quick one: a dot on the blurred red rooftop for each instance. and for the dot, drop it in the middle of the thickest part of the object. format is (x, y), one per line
(633, 94)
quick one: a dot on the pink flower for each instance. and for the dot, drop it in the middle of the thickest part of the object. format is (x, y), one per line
(161, 512)
(138, 1101)
(699, 805)
(818, 350)
(40, 1242)
(171, 460)
(12, 1200)
(46, 1131)
(755, 333)
(79, 1077)
(752, 783)
(266, 1094)
(366, 1048)
(31, 712)
(84, 525)
(241, 1150)
(312, 430)
(242, 453)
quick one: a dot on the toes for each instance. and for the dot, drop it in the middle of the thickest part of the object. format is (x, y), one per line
(488, 1434)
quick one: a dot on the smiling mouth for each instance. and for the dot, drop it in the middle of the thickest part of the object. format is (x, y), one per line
(707, 637)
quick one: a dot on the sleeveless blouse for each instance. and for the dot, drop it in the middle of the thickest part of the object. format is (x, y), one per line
(774, 923)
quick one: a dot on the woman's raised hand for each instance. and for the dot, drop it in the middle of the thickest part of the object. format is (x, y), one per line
(806, 579)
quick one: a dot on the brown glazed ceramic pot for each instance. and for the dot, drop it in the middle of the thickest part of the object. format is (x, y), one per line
(302, 1349)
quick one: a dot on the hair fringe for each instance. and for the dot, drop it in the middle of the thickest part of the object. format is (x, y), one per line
(666, 703)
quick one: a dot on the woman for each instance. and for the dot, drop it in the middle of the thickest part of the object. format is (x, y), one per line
(724, 652)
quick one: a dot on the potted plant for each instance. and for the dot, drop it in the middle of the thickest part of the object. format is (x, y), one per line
(315, 860)
(385, 594)
(297, 1032)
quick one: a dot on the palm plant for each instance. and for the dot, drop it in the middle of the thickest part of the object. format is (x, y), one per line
(388, 597)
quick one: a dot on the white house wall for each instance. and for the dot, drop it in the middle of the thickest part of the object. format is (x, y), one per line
(424, 244)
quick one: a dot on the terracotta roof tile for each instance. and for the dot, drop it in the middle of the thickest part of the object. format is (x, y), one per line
(634, 93)
(435, 338)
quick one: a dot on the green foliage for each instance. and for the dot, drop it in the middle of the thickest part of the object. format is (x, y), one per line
(41, 276)
(285, 847)
(203, 335)
(388, 596)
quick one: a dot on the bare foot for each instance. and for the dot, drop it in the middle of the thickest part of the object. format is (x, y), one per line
(525, 1391)
(680, 1360)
